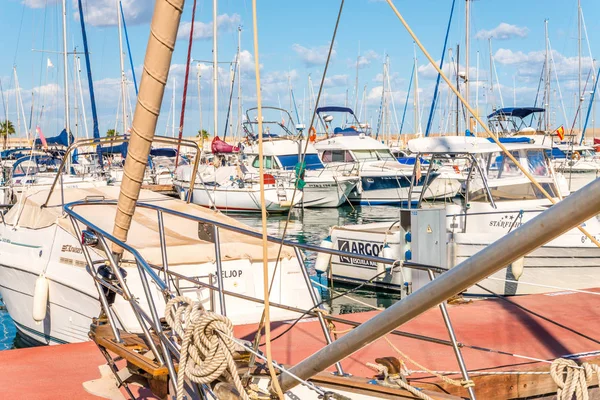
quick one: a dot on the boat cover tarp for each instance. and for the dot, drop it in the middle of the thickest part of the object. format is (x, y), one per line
(513, 140)
(346, 131)
(115, 149)
(163, 152)
(183, 245)
(61, 140)
(519, 112)
(220, 146)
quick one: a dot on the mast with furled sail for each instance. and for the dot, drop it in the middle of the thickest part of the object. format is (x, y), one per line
(163, 34)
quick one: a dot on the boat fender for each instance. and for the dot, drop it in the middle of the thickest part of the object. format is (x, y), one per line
(576, 156)
(40, 299)
(517, 268)
(388, 252)
(323, 259)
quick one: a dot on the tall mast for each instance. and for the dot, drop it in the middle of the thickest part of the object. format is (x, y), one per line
(491, 73)
(173, 109)
(215, 71)
(356, 81)
(124, 103)
(457, 88)
(580, 103)
(416, 96)
(239, 95)
(198, 67)
(547, 79)
(66, 71)
(477, 87)
(467, 48)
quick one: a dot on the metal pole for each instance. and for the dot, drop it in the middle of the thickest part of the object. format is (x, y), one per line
(163, 248)
(558, 219)
(219, 271)
(103, 299)
(129, 298)
(122, 64)
(215, 72)
(313, 296)
(459, 357)
(66, 72)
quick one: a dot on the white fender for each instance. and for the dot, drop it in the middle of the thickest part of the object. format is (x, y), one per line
(323, 259)
(40, 299)
(517, 268)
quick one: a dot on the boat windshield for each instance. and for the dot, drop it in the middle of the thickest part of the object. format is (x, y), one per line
(500, 166)
(380, 155)
(268, 162)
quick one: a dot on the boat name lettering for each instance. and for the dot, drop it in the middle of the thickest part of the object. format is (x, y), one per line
(67, 248)
(231, 273)
(506, 222)
(363, 248)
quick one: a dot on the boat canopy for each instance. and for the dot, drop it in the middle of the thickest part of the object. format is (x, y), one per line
(61, 140)
(464, 145)
(181, 234)
(115, 149)
(311, 161)
(334, 109)
(163, 152)
(519, 112)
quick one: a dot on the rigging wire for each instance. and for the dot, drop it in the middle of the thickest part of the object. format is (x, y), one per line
(185, 85)
(301, 161)
(478, 119)
(263, 210)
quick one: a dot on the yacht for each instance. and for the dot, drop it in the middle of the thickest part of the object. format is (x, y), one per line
(498, 198)
(383, 180)
(39, 242)
(284, 152)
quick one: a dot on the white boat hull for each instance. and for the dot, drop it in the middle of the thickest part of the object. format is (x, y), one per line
(234, 199)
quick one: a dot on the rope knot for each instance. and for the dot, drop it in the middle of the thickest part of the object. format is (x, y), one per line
(206, 347)
(572, 379)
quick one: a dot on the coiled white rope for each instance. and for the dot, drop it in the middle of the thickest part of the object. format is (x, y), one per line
(573, 379)
(206, 353)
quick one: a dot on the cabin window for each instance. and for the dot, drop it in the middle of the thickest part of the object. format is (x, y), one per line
(268, 163)
(500, 166)
(382, 155)
(337, 156)
(521, 191)
(536, 161)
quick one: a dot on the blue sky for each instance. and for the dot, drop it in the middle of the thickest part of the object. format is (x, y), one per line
(293, 44)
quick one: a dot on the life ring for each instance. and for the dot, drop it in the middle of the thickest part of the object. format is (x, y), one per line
(576, 156)
(312, 134)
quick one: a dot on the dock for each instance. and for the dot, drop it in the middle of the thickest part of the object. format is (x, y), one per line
(542, 326)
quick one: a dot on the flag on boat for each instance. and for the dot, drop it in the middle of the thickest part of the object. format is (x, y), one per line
(49, 64)
(561, 132)
(41, 135)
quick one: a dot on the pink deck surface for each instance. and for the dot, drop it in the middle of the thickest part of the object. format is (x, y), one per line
(58, 372)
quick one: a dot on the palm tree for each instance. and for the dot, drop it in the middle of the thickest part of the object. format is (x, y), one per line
(203, 135)
(6, 129)
(111, 133)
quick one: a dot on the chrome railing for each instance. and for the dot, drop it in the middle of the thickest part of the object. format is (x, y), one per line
(92, 236)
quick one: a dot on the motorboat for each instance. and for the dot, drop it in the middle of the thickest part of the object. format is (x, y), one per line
(498, 198)
(233, 189)
(39, 242)
(290, 156)
(383, 180)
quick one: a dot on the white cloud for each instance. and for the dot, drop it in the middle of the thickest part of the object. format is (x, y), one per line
(204, 30)
(530, 64)
(336, 81)
(104, 12)
(314, 55)
(503, 31)
(39, 3)
(364, 59)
